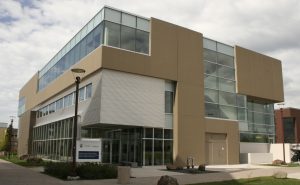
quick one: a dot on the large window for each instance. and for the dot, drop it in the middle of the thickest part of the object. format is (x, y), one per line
(256, 122)
(54, 140)
(219, 81)
(121, 30)
(128, 38)
(169, 102)
(21, 107)
(68, 100)
(289, 130)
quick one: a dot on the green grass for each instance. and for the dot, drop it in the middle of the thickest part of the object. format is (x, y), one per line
(256, 181)
(14, 159)
(285, 165)
(293, 165)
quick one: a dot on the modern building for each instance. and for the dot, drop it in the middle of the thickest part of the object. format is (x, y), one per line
(287, 121)
(154, 92)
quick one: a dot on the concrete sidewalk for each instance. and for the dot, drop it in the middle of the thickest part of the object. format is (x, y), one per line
(11, 174)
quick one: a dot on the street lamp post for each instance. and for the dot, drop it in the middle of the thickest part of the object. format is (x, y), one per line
(76, 72)
(281, 105)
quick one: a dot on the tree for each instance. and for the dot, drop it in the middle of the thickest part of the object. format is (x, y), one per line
(8, 139)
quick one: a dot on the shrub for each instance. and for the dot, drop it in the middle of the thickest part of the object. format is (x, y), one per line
(34, 161)
(84, 171)
(60, 169)
(97, 171)
(201, 167)
(278, 162)
(296, 155)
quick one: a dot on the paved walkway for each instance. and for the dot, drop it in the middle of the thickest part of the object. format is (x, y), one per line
(11, 174)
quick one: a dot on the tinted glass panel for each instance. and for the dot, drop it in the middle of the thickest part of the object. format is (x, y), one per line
(148, 133)
(168, 151)
(226, 72)
(142, 24)
(212, 110)
(142, 42)
(211, 96)
(209, 44)
(128, 38)
(227, 85)
(59, 104)
(112, 34)
(128, 20)
(168, 133)
(81, 94)
(210, 82)
(98, 35)
(89, 43)
(241, 100)
(68, 100)
(227, 98)
(89, 91)
(228, 112)
(210, 55)
(158, 148)
(168, 102)
(158, 133)
(210, 68)
(112, 15)
(222, 48)
(225, 60)
(241, 114)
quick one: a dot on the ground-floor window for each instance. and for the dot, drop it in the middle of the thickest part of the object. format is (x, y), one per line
(120, 144)
(53, 141)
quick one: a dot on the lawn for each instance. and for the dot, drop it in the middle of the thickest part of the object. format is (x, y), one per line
(256, 181)
(14, 159)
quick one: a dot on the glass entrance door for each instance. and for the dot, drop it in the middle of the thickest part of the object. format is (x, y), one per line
(106, 151)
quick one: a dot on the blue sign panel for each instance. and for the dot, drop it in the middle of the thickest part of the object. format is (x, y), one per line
(88, 155)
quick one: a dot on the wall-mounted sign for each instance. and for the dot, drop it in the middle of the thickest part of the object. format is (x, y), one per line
(89, 150)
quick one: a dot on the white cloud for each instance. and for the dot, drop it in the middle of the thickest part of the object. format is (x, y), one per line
(31, 35)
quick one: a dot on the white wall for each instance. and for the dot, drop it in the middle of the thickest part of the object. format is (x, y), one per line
(254, 147)
(256, 158)
(129, 99)
(250, 152)
(277, 151)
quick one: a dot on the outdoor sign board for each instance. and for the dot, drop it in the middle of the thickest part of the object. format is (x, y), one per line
(88, 150)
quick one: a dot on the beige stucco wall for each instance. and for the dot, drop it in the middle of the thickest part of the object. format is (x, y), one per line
(231, 129)
(26, 122)
(258, 75)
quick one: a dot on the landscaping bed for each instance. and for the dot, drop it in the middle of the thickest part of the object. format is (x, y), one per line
(84, 170)
(29, 162)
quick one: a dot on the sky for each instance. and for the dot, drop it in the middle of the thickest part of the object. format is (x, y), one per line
(33, 31)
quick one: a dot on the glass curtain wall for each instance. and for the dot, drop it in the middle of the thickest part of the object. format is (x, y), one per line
(109, 27)
(256, 120)
(145, 146)
(260, 126)
(53, 141)
(221, 100)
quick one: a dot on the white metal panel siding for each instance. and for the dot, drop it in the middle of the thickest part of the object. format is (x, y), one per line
(128, 99)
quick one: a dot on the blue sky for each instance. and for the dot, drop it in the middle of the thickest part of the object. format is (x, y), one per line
(32, 31)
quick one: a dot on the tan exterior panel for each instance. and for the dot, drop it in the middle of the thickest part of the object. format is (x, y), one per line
(26, 122)
(90, 63)
(231, 129)
(258, 76)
